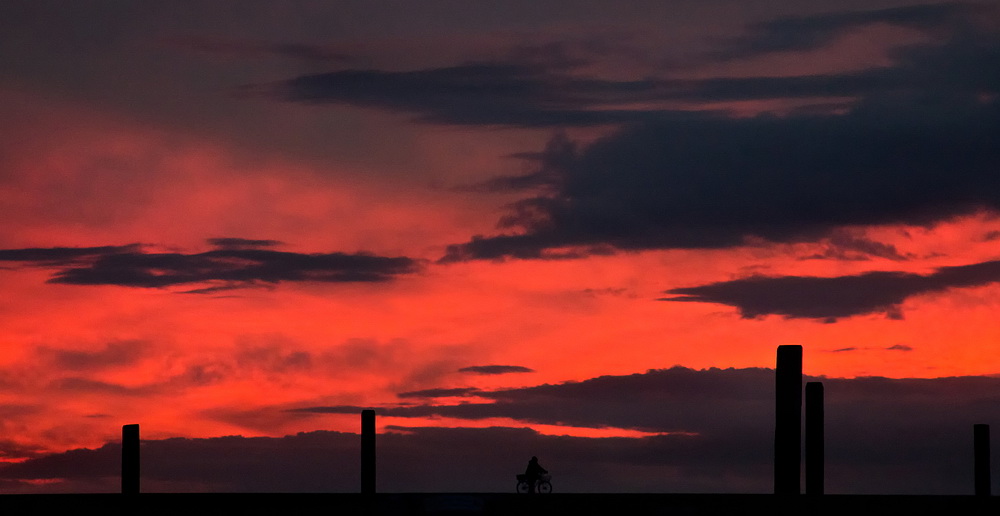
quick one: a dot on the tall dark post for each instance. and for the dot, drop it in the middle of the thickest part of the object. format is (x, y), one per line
(368, 451)
(788, 420)
(814, 438)
(981, 446)
(130, 459)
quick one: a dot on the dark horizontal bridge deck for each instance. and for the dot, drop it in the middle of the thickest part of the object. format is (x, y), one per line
(500, 504)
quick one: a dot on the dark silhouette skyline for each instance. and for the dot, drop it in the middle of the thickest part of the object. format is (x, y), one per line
(787, 443)
(576, 230)
(734, 454)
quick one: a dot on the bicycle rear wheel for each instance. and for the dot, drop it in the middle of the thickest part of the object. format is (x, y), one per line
(523, 487)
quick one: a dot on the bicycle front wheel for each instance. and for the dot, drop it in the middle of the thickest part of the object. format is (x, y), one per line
(544, 487)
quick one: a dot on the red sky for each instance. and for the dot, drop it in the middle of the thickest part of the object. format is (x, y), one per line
(218, 215)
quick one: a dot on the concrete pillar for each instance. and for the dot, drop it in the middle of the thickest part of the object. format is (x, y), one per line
(981, 447)
(130, 459)
(815, 455)
(788, 420)
(368, 451)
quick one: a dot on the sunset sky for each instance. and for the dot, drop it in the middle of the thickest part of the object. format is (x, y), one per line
(571, 229)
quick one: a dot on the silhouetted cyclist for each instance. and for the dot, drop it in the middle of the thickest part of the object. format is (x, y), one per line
(533, 472)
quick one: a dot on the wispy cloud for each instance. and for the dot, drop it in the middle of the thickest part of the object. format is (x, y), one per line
(242, 243)
(496, 369)
(59, 255)
(843, 245)
(440, 393)
(802, 33)
(554, 91)
(480, 93)
(834, 297)
(113, 354)
(234, 263)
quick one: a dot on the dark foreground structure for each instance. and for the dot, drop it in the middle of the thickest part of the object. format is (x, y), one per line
(499, 504)
(785, 500)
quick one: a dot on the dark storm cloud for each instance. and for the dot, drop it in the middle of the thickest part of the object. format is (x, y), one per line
(913, 141)
(73, 464)
(14, 450)
(512, 95)
(920, 144)
(715, 182)
(61, 254)
(235, 263)
(799, 33)
(834, 297)
(488, 93)
(918, 428)
(883, 436)
(962, 58)
(688, 401)
(842, 245)
(559, 154)
(496, 369)
(961, 65)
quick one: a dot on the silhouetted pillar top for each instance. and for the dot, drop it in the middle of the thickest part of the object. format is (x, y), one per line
(368, 451)
(788, 420)
(130, 459)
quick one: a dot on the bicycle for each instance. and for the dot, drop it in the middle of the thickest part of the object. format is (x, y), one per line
(542, 484)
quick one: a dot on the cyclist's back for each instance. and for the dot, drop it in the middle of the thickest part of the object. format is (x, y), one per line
(533, 472)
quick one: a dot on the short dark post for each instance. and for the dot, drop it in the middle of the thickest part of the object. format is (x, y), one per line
(814, 438)
(981, 446)
(788, 420)
(130, 459)
(368, 451)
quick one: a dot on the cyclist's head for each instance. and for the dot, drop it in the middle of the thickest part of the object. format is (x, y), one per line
(534, 459)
